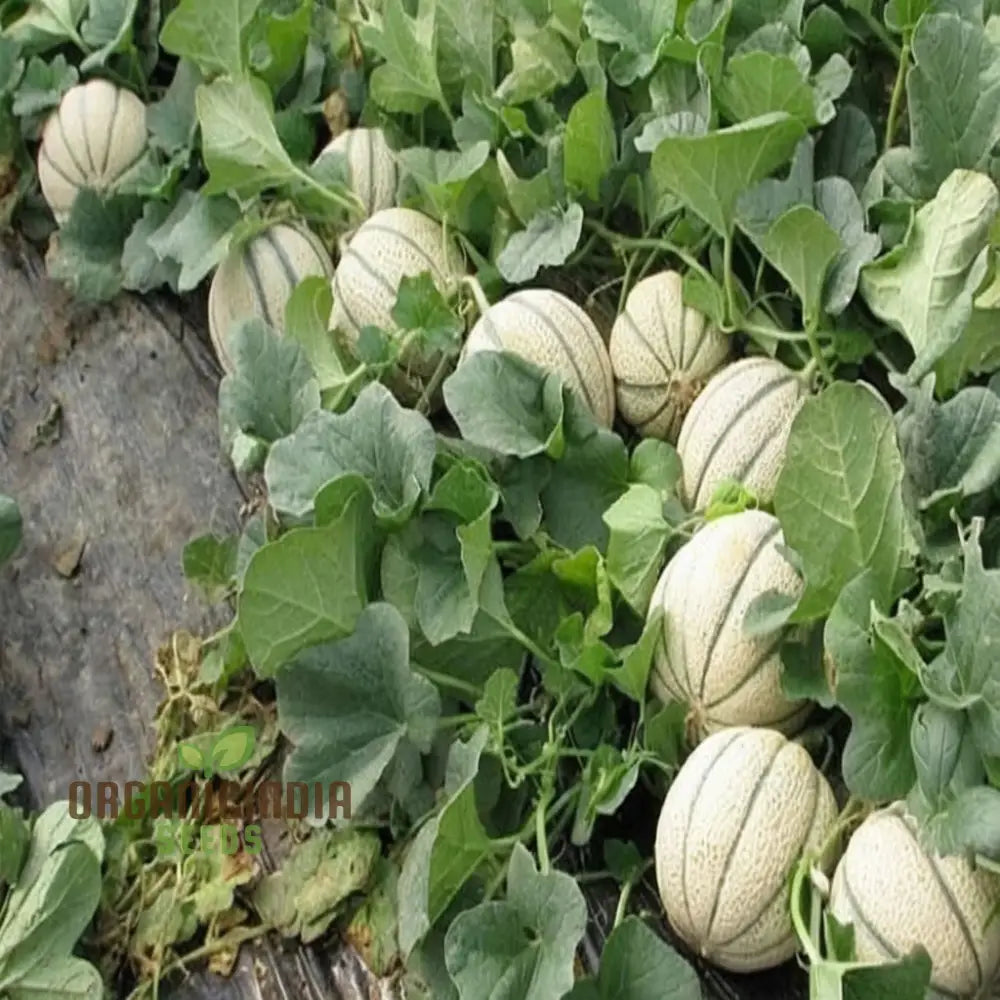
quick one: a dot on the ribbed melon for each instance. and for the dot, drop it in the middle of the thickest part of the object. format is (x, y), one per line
(95, 135)
(705, 660)
(742, 810)
(371, 167)
(258, 278)
(898, 895)
(393, 244)
(738, 428)
(553, 332)
(662, 353)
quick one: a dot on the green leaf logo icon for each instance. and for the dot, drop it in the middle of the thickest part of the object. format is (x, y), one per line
(190, 756)
(233, 748)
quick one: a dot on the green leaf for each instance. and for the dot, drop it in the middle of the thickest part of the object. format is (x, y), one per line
(421, 306)
(212, 35)
(540, 63)
(392, 448)
(924, 288)
(43, 85)
(465, 44)
(278, 43)
(878, 693)
(549, 239)
(506, 404)
(271, 389)
(606, 781)
(191, 757)
(47, 23)
(63, 978)
(590, 475)
(839, 205)
(758, 83)
(447, 850)
(802, 246)
(950, 448)
(637, 964)
(307, 320)
(443, 175)
(142, 268)
(233, 748)
(637, 543)
(956, 79)
(839, 495)
(970, 824)
(972, 630)
(196, 235)
(350, 706)
(407, 81)
(637, 27)
(590, 145)
(710, 172)
(523, 947)
(946, 758)
(173, 119)
(108, 29)
(10, 527)
(210, 562)
(55, 896)
(240, 144)
(847, 147)
(308, 586)
(88, 257)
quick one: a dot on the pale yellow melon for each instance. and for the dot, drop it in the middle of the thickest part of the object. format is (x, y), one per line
(95, 135)
(393, 244)
(662, 353)
(737, 429)
(705, 660)
(898, 895)
(745, 806)
(371, 167)
(553, 332)
(258, 278)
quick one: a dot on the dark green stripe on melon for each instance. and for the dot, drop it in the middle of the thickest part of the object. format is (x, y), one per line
(375, 227)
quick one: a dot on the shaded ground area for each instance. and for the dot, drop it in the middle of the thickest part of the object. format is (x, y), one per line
(109, 443)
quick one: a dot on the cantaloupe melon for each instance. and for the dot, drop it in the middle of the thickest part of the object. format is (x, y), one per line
(704, 658)
(745, 806)
(897, 895)
(662, 353)
(737, 429)
(553, 332)
(95, 135)
(371, 167)
(393, 244)
(258, 278)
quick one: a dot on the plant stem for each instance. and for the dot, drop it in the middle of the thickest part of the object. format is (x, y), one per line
(817, 353)
(727, 277)
(875, 27)
(775, 333)
(897, 94)
(646, 243)
(446, 680)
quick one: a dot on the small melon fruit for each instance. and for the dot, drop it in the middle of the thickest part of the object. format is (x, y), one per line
(662, 353)
(95, 135)
(705, 660)
(742, 810)
(898, 895)
(371, 167)
(258, 278)
(393, 244)
(551, 331)
(737, 429)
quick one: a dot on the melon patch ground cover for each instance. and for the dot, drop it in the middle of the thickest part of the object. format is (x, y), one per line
(522, 306)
